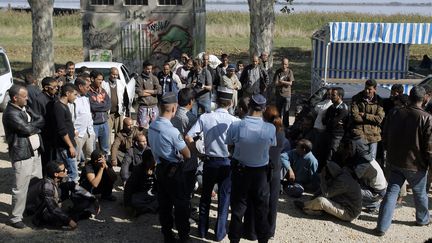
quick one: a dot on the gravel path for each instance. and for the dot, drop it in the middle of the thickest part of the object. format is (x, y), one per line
(114, 224)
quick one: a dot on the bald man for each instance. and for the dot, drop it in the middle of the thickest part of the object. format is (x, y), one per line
(254, 78)
(123, 140)
(119, 100)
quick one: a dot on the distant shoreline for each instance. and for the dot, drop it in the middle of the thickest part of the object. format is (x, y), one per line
(331, 4)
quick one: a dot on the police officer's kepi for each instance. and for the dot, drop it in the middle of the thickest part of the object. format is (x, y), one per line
(169, 98)
(258, 99)
(224, 93)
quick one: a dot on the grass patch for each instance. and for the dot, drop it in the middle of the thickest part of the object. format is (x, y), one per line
(227, 32)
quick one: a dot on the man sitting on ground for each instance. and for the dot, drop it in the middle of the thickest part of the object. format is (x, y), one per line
(49, 210)
(341, 195)
(98, 177)
(134, 156)
(45, 198)
(140, 190)
(123, 141)
(302, 169)
(354, 153)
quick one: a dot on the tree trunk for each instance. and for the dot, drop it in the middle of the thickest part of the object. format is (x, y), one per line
(262, 22)
(42, 38)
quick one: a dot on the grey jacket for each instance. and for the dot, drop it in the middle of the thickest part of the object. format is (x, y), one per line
(147, 82)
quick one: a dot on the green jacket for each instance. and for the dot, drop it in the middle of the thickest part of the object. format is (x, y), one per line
(366, 117)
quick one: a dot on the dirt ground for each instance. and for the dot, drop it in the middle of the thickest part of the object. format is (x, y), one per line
(114, 224)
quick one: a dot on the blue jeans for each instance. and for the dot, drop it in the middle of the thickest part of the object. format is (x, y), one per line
(69, 162)
(102, 132)
(417, 179)
(222, 176)
(371, 200)
(373, 149)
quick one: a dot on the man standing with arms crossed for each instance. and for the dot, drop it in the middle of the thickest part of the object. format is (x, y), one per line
(148, 89)
(22, 129)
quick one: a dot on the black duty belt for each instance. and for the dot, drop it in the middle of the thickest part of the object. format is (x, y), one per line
(214, 158)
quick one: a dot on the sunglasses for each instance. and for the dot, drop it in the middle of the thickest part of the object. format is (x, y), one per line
(64, 170)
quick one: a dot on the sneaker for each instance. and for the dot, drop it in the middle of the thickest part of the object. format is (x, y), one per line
(378, 232)
(194, 210)
(373, 211)
(192, 221)
(19, 225)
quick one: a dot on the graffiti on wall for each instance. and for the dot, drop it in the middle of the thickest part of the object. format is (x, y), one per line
(99, 35)
(172, 43)
(154, 27)
(156, 40)
(100, 55)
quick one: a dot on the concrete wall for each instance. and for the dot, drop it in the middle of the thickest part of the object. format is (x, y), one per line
(134, 34)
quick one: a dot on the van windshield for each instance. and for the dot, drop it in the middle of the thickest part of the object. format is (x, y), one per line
(4, 65)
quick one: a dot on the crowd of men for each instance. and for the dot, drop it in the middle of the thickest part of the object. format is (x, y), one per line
(243, 151)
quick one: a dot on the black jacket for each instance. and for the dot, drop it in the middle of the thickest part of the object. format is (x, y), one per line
(408, 138)
(33, 93)
(44, 107)
(259, 87)
(336, 119)
(18, 130)
(132, 158)
(48, 206)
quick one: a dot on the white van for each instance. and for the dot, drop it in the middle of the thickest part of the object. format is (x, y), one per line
(6, 79)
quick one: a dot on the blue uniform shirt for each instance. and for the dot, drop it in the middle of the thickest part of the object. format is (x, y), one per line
(165, 140)
(214, 126)
(252, 138)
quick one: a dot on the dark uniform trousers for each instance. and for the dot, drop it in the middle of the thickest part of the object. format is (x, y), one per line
(249, 220)
(214, 172)
(249, 183)
(173, 192)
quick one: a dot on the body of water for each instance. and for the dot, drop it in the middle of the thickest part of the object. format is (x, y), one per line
(367, 9)
(243, 7)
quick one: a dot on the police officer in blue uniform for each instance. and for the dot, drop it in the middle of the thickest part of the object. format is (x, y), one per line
(217, 167)
(251, 139)
(169, 149)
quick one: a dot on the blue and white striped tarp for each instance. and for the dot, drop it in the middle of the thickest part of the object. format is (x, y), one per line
(365, 50)
(392, 33)
(361, 60)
